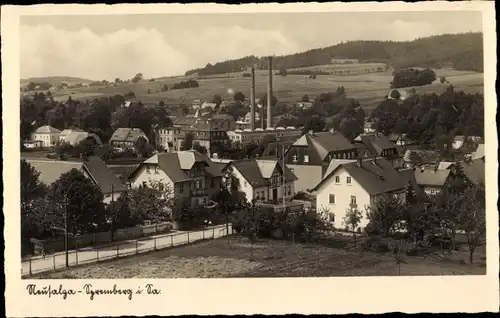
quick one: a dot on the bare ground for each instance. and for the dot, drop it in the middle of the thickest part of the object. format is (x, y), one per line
(231, 257)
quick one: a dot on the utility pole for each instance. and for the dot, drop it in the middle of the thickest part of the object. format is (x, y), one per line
(112, 211)
(66, 229)
(283, 176)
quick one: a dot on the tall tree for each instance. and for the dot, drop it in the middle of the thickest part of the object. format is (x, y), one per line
(187, 143)
(81, 201)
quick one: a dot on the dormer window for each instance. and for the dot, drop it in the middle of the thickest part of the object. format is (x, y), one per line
(295, 159)
(306, 158)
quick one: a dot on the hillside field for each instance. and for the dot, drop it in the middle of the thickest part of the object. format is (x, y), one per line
(230, 257)
(369, 88)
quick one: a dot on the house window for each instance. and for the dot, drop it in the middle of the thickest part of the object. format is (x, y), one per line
(337, 179)
(353, 200)
(348, 180)
(144, 184)
(306, 158)
(156, 170)
(432, 191)
(246, 183)
(148, 169)
(198, 184)
(332, 199)
(295, 160)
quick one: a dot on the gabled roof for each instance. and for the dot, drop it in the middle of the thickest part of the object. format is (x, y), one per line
(375, 176)
(275, 149)
(375, 143)
(47, 130)
(75, 136)
(324, 142)
(431, 177)
(475, 170)
(335, 163)
(479, 153)
(128, 135)
(103, 176)
(175, 164)
(257, 172)
(51, 170)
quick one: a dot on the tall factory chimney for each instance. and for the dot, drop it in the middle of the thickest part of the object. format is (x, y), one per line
(252, 101)
(270, 92)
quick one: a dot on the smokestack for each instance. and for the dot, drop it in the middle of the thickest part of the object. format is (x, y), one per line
(269, 92)
(252, 101)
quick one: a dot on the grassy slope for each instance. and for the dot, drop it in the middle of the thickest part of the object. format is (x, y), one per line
(369, 89)
(55, 80)
(230, 257)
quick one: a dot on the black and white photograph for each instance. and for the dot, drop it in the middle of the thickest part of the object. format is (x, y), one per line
(251, 145)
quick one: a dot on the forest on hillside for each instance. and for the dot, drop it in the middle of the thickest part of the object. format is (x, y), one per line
(461, 51)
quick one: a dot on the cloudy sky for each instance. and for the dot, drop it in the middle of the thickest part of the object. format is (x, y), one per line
(105, 47)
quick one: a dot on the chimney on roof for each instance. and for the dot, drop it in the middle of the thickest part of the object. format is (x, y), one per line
(269, 92)
(252, 100)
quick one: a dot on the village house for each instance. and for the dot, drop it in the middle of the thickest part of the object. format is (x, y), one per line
(127, 137)
(378, 145)
(459, 141)
(48, 135)
(92, 167)
(309, 156)
(76, 135)
(432, 181)
(361, 182)
(399, 139)
(262, 180)
(304, 105)
(245, 122)
(192, 176)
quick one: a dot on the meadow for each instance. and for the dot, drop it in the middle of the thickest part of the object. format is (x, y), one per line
(234, 257)
(369, 88)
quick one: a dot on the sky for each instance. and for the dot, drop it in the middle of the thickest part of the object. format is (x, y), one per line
(106, 47)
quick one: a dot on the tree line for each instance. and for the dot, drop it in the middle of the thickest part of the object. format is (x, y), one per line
(432, 118)
(462, 51)
(101, 116)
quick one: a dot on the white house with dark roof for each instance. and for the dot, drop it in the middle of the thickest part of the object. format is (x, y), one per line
(432, 181)
(309, 156)
(191, 175)
(361, 182)
(93, 168)
(262, 179)
(48, 135)
(459, 141)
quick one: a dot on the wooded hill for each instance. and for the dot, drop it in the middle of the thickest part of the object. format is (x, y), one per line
(461, 51)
